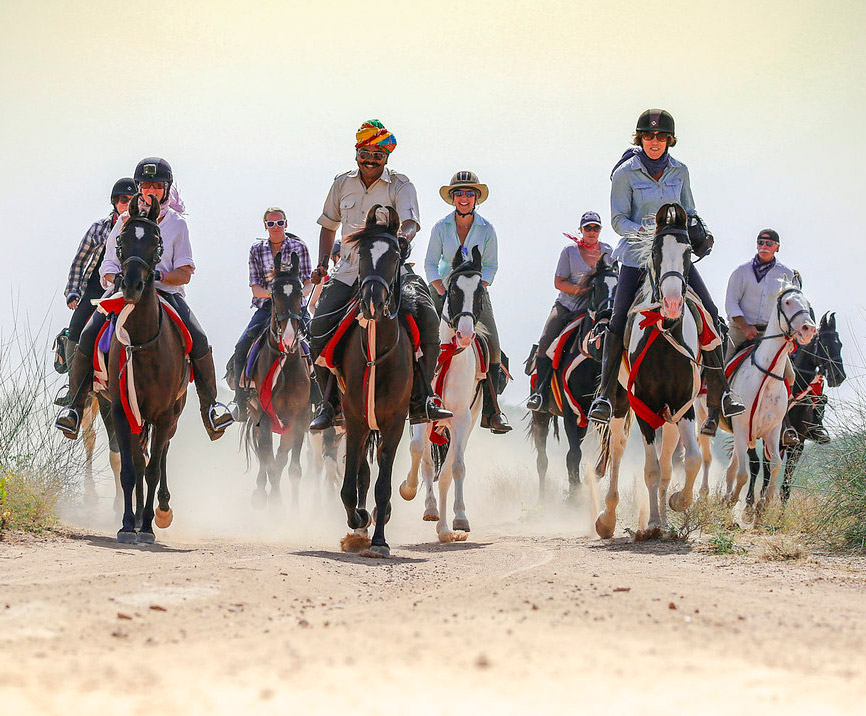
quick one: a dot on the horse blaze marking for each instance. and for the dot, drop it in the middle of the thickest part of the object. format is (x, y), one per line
(139, 232)
(288, 289)
(468, 284)
(378, 250)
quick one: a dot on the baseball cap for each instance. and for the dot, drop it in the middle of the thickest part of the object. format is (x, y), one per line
(590, 217)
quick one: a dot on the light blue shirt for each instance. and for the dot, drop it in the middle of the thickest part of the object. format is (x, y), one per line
(634, 195)
(444, 245)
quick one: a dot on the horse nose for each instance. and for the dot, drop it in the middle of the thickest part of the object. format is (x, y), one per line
(132, 286)
(672, 307)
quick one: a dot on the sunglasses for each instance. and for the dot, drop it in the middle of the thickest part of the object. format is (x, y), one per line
(278, 222)
(123, 199)
(766, 242)
(592, 227)
(151, 185)
(464, 192)
(660, 136)
(367, 154)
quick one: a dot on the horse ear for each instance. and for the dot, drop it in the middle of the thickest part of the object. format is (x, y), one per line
(278, 261)
(476, 257)
(133, 206)
(153, 214)
(393, 220)
(458, 259)
(294, 264)
(824, 320)
(831, 321)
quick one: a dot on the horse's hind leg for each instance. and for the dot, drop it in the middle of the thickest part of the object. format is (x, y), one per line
(691, 464)
(126, 533)
(431, 507)
(792, 456)
(606, 522)
(754, 469)
(540, 427)
(409, 486)
(265, 455)
(113, 452)
(275, 471)
(89, 438)
(575, 434)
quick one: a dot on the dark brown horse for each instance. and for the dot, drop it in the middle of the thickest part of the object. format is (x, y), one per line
(282, 401)
(377, 374)
(151, 385)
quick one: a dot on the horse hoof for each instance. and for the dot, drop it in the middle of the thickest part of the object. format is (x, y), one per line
(377, 551)
(603, 528)
(677, 502)
(127, 536)
(648, 534)
(406, 492)
(431, 514)
(387, 514)
(354, 542)
(459, 536)
(163, 518)
(462, 525)
(146, 538)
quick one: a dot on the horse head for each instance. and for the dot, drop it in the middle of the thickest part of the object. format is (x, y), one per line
(380, 254)
(671, 259)
(139, 249)
(602, 284)
(827, 349)
(794, 315)
(286, 302)
(463, 298)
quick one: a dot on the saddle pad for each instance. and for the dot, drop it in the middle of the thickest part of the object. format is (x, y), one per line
(560, 343)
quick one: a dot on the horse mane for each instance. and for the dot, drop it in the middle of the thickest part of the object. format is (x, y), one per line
(586, 281)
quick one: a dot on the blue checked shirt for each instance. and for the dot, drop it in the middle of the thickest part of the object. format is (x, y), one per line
(89, 251)
(262, 262)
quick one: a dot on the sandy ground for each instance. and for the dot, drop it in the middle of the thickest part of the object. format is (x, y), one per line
(234, 611)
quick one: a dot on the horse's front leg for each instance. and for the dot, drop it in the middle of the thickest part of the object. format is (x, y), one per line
(575, 434)
(540, 427)
(296, 446)
(126, 533)
(652, 477)
(737, 476)
(409, 486)
(691, 464)
(276, 468)
(792, 457)
(265, 455)
(606, 522)
(705, 443)
(390, 439)
(772, 442)
(455, 469)
(153, 476)
(88, 435)
(670, 438)
(754, 469)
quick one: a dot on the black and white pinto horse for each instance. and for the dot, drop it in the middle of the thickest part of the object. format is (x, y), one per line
(458, 382)
(661, 379)
(816, 365)
(575, 382)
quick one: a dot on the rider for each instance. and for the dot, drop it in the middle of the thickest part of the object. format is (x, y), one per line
(645, 178)
(261, 265)
(575, 262)
(83, 284)
(752, 290)
(464, 229)
(351, 196)
(175, 268)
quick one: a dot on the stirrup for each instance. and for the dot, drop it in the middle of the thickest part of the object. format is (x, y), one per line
(535, 402)
(63, 400)
(790, 437)
(324, 417)
(735, 407)
(710, 426)
(219, 422)
(70, 432)
(598, 403)
(819, 434)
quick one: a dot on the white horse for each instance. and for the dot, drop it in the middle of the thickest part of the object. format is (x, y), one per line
(459, 389)
(661, 379)
(761, 384)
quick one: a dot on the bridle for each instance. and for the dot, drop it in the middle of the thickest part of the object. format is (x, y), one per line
(150, 267)
(683, 277)
(788, 334)
(391, 287)
(450, 320)
(275, 335)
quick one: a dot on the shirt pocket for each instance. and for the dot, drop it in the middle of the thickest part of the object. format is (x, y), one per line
(672, 189)
(645, 192)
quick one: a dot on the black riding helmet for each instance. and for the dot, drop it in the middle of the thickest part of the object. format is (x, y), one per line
(155, 169)
(655, 120)
(125, 186)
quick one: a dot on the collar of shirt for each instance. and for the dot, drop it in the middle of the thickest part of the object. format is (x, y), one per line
(635, 164)
(356, 174)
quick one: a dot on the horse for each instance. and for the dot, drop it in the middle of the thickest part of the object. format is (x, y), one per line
(815, 365)
(376, 375)
(148, 372)
(662, 377)
(764, 391)
(281, 403)
(101, 406)
(575, 381)
(458, 380)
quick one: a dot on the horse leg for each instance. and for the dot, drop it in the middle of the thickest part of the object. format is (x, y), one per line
(652, 477)
(113, 452)
(141, 463)
(153, 475)
(265, 454)
(409, 486)
(275, 470)
(691, 464)
(127, 474)
(670, 438)
(754, 469)
(793, 457)
(766, 472)
(460, 431)
(606, 522)
(164, 515)
(540, 426)
(575, 434)
(737, 475)
(706, 449)
(390, 439)
(296, 445)
(772, 442)
(88, 434)
(357, 518)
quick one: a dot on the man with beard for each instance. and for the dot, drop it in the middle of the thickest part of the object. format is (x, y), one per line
(350, 198)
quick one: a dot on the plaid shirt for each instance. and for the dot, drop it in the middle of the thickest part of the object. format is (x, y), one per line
(262, 262)
(89, 250)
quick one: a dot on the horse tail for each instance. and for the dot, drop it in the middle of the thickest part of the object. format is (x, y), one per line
(372, 444)
(247, 439)
(555, 427)
(439, 453)
(603, 450)
(538, 424)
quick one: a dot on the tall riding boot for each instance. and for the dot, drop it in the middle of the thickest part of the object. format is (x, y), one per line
(215, 416)
(601, 410)
(69, 354)
(789, 437)
(424, 405)
(816, 430)
(328, 410)
(491, 416)
(68, 420)
(720, 398)
(544, 372)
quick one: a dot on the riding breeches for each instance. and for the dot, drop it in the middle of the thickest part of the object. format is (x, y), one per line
(258, 321)
(329, 313)
(559, 318)
(82, 313)
(627, 285)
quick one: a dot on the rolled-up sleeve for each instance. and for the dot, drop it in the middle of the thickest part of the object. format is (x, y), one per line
(110, 264)
(490, 256)
(734, 294)
(181, 254)
(434, 254)
(620, 203)
(330, 218)
(406, 202)
(563, 266)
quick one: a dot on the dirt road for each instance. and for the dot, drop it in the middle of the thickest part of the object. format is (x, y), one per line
(502, 623)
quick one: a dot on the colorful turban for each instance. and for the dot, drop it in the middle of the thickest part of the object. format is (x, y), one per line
(373, 133)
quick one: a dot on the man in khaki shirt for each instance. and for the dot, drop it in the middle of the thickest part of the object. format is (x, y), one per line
(350, 198)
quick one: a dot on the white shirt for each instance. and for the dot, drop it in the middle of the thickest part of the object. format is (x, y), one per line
(755, 301)
(176, 249)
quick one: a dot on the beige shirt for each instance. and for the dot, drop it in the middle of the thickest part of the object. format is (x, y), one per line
(349, 201)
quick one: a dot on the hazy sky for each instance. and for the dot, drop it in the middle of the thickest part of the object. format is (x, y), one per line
(258, 105)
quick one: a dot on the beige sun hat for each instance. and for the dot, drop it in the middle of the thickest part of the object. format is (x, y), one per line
(464, 180)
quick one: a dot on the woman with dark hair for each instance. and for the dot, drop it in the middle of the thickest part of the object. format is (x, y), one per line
(645, 178)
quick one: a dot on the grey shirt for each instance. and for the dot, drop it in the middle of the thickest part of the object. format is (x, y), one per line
(752, 300)
(573, 268)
